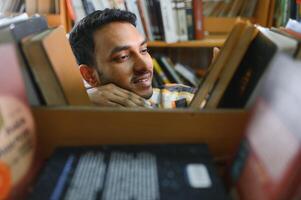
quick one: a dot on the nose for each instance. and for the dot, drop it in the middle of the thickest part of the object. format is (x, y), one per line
(142, 64)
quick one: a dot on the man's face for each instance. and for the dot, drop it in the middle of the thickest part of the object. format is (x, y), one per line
(122, 58)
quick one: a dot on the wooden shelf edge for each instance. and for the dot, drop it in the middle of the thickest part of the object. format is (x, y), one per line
(220, 129)
(208, 41)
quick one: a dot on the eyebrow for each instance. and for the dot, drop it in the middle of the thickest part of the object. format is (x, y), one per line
(121, 48)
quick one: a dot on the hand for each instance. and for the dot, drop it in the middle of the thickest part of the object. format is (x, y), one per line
(111, 95)
(216, 51)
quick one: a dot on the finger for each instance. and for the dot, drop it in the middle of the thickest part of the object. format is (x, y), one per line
(114, 104)
(124, 101)
(125, 94)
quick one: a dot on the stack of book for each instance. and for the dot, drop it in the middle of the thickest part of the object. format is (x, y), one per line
(166, 20)
(49, 78)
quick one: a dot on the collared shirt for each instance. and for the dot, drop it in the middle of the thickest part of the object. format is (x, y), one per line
(171, 96)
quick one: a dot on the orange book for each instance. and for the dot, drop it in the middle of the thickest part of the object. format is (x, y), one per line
(60, 55)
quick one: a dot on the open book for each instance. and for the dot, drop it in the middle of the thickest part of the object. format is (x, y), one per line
(242, 61)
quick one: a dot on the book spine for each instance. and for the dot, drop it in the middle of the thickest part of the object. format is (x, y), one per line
(189, 19)
(182, 23)
(160, 72)
(168, 21)
(198, 19)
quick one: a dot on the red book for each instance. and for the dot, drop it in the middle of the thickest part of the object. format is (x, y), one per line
(17, 137)
(11, 81)
(198, 19)
(267, 166)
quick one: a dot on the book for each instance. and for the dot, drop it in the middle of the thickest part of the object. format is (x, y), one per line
(160, 72)
(179, 10)
(145, 17)
(267, 165)
(17, 131)
(42, 70)
(14, 34)
(11, 70)
(88, 6)
(241, 91)
(208, 83)
(168, 67)
(187, 73)
(198, 19)
(31, 7)
(44, 6)
(231, 66)
(168, 21)
(132, 6)
(167, 171)
(65, 68)
(77, 9)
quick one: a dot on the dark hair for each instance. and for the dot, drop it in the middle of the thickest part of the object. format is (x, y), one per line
(81, 37)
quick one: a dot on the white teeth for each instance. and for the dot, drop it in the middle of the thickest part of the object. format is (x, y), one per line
(142, 80)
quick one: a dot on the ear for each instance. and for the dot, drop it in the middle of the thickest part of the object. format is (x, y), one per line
(89, 75)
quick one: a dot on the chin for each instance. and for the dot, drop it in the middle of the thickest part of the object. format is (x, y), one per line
(146, 94)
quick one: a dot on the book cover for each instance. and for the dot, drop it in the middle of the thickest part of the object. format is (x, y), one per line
(169, 69)
(232, 65)
(198, 19)
(241, 90)
(17, 138)
(168, 21)
(14, 34)
(217, 66)
(145, 17)
(160, 72)
(42, 70)
(65, 68)
(267, 166)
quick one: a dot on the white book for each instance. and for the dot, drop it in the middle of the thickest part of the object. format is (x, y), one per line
(79, 10)
(187, 74)
(118, 4)
(283, 43)
(98, 5)
(180, 11)
(104, 4)
(133, 7)
(169, 24)
(9, 20)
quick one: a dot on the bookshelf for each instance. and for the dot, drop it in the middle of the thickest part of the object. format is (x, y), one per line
(60, 19)
(220, 129)
(208, 41)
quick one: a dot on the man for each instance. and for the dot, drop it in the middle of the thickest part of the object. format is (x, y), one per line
(114, 60)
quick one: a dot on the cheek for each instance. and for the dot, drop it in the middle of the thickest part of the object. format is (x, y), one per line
(121, 73)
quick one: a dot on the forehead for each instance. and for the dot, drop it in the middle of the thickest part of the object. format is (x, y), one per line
(116, 34)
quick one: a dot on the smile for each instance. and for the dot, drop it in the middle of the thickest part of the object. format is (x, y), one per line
(143, 78)
(143, 81)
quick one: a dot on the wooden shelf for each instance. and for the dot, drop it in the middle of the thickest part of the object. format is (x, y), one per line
(208, 41)
(72, 126)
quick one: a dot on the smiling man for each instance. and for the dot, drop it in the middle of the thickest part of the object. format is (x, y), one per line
(114, 60)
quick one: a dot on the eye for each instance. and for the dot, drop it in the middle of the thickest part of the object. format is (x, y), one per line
(121, 58)
(144, 51)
